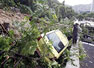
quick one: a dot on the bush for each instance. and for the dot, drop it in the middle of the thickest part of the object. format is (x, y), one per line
(8, 2)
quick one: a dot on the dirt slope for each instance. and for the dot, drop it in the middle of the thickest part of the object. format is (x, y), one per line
(9, 16)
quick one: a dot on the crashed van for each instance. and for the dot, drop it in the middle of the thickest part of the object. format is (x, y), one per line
(52, 44)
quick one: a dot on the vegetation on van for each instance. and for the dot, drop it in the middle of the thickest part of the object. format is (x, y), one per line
(44, 16)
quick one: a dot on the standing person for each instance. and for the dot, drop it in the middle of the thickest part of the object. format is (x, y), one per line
(76, 31)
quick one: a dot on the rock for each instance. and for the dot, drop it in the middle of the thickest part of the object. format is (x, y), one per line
(15, 9)
(17, 34)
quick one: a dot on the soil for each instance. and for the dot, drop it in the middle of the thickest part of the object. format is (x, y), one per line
(9, 16)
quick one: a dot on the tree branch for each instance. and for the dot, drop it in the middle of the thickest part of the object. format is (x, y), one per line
(17, 62)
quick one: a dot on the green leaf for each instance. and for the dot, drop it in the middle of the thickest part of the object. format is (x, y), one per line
(11, 32)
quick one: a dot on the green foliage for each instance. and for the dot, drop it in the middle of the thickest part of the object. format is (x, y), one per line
(44, 18)
(82, 53)
(24, 9)
(5, 43)
(65, 12)
(8, 2)
(87, 33)
(86, 16)
(80, 17)
(91, 15)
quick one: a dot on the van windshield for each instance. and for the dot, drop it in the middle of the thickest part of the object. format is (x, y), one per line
(58, 45)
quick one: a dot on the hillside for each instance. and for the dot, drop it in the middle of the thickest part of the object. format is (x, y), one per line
(82, 8)
(9, 16)
(19, 43)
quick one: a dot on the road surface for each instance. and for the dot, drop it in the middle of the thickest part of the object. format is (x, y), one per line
(88, 62)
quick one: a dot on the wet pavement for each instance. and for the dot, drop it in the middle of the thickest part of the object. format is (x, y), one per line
(88, 62)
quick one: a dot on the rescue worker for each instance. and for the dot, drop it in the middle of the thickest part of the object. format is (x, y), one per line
(76, 32)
